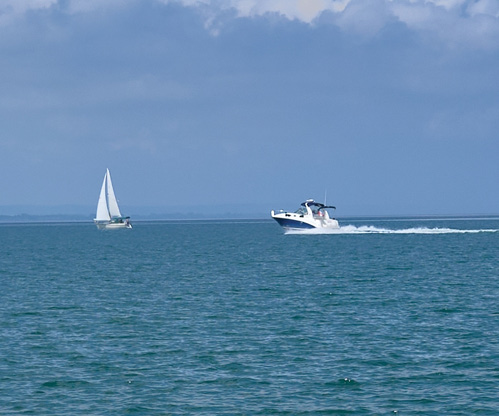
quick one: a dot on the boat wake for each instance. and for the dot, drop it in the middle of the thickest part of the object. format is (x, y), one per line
(369, 229)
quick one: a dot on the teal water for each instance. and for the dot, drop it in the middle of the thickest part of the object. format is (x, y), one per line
(236, 318)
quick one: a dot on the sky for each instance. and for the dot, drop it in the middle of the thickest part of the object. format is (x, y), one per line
(391, 107)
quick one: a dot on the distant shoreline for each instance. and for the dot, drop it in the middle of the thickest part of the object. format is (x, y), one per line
(50, 219)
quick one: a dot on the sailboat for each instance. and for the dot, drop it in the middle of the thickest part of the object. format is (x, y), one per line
(108, 213)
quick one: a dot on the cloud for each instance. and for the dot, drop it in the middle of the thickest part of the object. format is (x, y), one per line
(85, 6)
(302, 10)
(458, 23)
(10, 9)
(20, 6)
(468, 23)
(364, 17)
(485, 7)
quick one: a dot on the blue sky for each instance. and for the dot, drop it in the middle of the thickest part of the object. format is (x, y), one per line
(392, 106)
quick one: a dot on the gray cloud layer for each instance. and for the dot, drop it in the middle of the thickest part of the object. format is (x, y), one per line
(469, 23)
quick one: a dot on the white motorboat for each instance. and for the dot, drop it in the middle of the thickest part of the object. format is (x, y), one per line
(108, 213)
(310, 215)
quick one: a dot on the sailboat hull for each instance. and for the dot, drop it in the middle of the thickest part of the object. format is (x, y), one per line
(112, 225)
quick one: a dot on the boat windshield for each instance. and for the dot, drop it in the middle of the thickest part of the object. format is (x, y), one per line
(301, 211)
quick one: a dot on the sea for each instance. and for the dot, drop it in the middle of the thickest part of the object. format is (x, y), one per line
(384, 316)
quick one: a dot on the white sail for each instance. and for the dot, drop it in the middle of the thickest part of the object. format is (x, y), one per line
(112, 203)
(102, 210)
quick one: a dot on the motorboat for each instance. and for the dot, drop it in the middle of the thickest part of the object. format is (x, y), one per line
(108, 215)
(309, 215)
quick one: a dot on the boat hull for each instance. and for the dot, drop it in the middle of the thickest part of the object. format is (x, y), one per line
(290, 224)
(112, 225)
(295, 221)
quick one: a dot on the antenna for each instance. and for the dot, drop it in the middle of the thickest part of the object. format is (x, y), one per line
(325, 197)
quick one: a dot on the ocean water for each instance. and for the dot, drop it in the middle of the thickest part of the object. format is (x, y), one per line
(237, 318)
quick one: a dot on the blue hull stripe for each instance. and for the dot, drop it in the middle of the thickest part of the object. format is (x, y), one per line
(287, 223)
